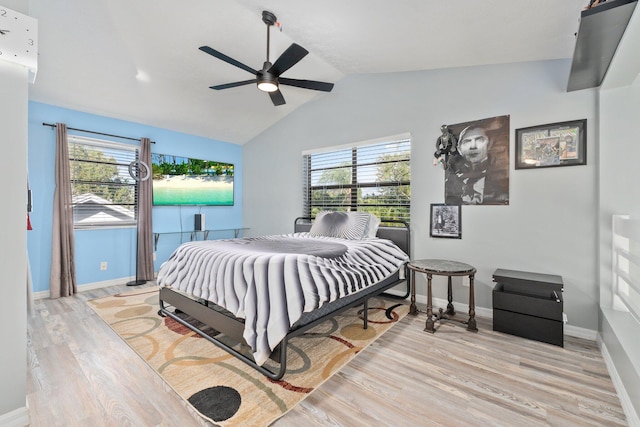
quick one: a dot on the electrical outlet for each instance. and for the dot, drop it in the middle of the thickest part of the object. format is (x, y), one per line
(465, 281)
(103, 265)
(154, 256)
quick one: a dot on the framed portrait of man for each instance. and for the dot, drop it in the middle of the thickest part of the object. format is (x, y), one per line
(478, 172)
(446, 221)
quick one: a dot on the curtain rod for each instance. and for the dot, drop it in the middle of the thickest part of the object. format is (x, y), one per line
(95, 133)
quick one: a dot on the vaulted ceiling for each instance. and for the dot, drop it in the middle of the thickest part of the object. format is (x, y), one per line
(139, 60)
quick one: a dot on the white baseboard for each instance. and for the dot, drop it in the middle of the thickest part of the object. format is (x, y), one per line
(16, 418)
(438, 302)
(572, 331)
(88, 287)
(575, 331)
(633, 418)
(460, 307)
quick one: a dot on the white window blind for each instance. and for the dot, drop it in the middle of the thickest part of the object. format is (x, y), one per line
(626, 264)
(374, 178)
(103, 192)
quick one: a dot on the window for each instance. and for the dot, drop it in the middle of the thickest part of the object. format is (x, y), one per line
(374, 177)
(626, 265)
(103, 193)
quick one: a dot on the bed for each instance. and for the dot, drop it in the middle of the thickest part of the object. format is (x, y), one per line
(258, 293)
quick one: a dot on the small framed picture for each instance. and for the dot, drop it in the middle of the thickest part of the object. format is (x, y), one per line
(446, 221)
(556, 144)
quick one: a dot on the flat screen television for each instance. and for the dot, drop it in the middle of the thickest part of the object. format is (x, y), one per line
(186, 181)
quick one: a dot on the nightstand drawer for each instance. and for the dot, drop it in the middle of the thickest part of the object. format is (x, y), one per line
(549, 307)
(531, 327)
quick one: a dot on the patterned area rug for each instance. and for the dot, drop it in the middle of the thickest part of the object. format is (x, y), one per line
(220, 387)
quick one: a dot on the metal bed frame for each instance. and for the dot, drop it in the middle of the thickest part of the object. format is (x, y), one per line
(225, 323)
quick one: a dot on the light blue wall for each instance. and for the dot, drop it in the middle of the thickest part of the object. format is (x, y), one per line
(116, 246)
(550, 225)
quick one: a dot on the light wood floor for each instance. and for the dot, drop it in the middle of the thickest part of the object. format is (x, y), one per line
(82, 374)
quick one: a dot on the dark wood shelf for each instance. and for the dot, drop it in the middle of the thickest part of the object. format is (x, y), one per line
(600, 31)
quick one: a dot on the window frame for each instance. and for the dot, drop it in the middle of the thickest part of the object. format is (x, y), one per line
(123, 149)
(355, 165)
(625, 285)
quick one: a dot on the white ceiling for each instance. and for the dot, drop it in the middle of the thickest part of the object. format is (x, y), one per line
(138, 60)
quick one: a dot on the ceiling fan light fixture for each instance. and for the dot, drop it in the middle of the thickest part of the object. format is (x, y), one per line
(267, 87)
(267, 82)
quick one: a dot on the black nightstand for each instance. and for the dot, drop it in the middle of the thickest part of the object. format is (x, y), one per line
(529, 305)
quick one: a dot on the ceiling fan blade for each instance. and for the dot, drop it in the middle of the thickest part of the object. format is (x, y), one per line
(234, 84)
(307, 84)
(226, 59)
(288, 59)
(277, 98)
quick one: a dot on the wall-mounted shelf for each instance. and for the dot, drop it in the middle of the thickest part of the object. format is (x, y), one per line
(600, 31)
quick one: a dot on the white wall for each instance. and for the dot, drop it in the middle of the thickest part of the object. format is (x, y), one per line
(619, 111)
(619, 194)
(550, 224)
(13, 259)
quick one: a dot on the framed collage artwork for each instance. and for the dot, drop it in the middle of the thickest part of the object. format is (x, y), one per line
(552, 145)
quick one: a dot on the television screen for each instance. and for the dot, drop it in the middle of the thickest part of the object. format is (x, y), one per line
(185, 181)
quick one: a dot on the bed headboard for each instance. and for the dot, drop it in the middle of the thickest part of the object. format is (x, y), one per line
(400, 234)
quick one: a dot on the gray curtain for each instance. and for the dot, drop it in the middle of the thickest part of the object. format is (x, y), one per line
(145, 201)
(63, 271)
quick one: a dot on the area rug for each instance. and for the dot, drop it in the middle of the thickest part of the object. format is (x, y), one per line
(225, 390)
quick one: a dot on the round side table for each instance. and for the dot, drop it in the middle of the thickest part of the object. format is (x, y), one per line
(441, 267)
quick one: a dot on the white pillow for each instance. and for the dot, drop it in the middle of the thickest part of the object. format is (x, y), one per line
(344, 225)
(371, 230)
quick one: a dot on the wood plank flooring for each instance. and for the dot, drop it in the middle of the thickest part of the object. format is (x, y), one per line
(82, 374)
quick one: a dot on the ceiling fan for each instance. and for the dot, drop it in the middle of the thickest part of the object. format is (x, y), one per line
(269, 77)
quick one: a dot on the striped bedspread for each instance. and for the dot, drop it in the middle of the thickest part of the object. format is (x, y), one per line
(270, 281)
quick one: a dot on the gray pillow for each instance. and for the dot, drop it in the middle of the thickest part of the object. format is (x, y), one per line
(344, 225)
